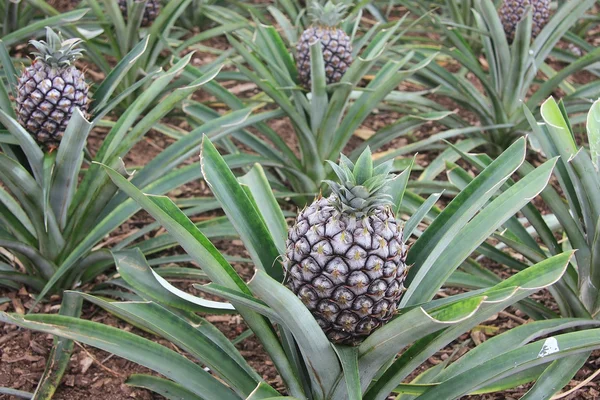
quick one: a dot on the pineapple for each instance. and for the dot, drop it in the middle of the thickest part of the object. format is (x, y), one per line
(512, 11)
(51, 88)
(345, 256)
(335, 43)
(150, 12)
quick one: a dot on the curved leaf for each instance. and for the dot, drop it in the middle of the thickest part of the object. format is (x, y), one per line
(166, 388)
(226, 362)
(319, 356)
(240, 210)
(132, 347)
(134, 269)
(516, 361)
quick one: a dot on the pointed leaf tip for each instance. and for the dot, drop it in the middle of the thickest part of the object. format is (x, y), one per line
(363, 169)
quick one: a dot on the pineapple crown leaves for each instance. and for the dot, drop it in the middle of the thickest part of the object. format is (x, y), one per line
(56, 51)
(329, 14)
(361, 187)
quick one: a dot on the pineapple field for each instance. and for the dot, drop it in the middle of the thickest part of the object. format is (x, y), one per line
(304, 200)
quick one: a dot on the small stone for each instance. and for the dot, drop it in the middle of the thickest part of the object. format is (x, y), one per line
(86, 363)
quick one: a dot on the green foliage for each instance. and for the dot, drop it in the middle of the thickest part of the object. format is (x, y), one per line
(573, 215)
(309, 365)
(57, 208)
(325, 118)
(509, 76)
(21, 19)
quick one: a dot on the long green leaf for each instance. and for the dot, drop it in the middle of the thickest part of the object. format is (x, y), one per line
(432, 244)
(166, 388)
(318, 354)
(60, 354)
(319, 99)
(68, 163)
(349, 359)
(516, 361)
(257, 182)
(240, 210)
(213, 263)
(194, 340)
(132, 347)
(116, 75)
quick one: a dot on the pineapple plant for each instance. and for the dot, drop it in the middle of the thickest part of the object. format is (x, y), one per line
(345, 256)
(126, 32)
(205, 363)
(513, 77)
(326, 118)
(59, 209)
(51, 88)
(512, 11)
(574, 214)
(335, 43)
(150, 12)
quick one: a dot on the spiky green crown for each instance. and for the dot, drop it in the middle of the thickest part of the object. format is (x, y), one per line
(361, 187)
(328, 15)
(55, 51)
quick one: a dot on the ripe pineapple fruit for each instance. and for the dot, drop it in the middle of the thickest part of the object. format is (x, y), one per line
(335, 43)
(512, 11)
(51, 88)
(150, 12)
(345, 256)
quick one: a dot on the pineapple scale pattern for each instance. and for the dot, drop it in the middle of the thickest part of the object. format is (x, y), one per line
(348, 272)
(337, 53)
(512, 11)
(47, 97)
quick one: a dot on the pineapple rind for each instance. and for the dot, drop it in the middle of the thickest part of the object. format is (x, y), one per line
(337, 53)
(47, 98)
(348, 271)
(512, 11)
(49, 90)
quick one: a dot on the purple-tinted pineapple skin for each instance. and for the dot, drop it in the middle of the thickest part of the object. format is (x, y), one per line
(47, 97)
(348, 271)
(337, 53)
(513, 11)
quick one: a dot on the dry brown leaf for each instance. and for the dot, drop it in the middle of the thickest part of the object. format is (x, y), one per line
(364, 133)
